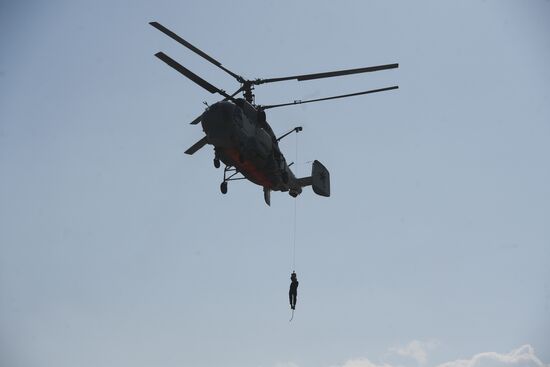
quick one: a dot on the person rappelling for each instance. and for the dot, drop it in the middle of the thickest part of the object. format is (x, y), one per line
(293, 291)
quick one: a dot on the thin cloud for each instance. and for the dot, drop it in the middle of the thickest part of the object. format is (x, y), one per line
(417, 350)
(286, 364)
(363, 362)
(524, 356)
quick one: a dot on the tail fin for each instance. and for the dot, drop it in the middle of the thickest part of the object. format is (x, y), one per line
(319, 179)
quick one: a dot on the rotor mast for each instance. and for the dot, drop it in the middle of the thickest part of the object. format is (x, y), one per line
(248, 87)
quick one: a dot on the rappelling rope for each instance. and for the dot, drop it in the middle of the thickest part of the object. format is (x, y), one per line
(294, 234)
(294, 238)
(295, 205)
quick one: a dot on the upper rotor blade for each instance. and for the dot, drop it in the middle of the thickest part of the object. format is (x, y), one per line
(177, 38)
(201, 143)
(328, 74)
(327, 98)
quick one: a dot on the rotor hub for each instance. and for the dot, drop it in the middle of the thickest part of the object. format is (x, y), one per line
(248, 87)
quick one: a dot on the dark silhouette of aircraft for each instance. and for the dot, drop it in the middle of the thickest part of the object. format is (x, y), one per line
(241, 136)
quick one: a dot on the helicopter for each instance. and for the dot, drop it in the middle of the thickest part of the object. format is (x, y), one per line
(242, 138)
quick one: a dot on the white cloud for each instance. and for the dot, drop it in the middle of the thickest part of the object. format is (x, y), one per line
(363, 362)
(524, 356)
(286, 364)
(418, 350)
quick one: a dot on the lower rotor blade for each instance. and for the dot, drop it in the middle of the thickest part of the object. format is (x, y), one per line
(188, 73)
(327, 98)
(201, 143)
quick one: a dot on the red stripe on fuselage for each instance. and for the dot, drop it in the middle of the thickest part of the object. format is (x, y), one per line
(248, 169)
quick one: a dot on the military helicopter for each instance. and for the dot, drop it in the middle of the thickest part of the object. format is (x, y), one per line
(241, 136)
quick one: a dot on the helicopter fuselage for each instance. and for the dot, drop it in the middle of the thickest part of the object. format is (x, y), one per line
(243, 139)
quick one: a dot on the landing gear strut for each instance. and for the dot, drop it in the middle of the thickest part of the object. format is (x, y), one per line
(228, 175)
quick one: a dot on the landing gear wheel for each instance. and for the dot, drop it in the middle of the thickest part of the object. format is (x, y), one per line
(223, 187)
(216, 163)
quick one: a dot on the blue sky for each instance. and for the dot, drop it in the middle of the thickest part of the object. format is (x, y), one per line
(116, 249)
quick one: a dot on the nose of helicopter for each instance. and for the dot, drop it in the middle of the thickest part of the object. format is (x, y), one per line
(217, 122)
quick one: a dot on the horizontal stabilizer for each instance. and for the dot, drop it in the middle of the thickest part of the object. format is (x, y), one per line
(201, 143)
(196, 120)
